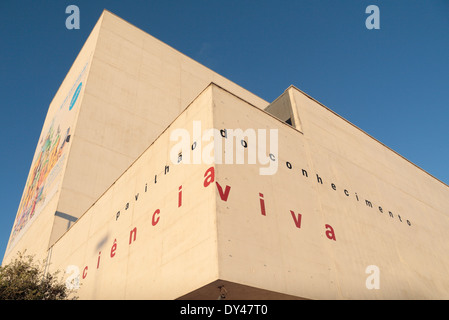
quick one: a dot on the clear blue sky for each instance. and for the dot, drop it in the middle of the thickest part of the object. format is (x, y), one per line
(393, 82)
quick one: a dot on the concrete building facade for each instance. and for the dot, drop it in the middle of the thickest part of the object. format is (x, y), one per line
(156, 178)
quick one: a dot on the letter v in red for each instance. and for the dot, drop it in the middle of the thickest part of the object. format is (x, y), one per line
(296, 219)
(223, 196)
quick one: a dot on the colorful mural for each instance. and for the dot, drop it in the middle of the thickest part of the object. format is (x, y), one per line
(35, 191)
(44, 178)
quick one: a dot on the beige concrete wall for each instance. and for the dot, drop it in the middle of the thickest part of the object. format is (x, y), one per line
(137, 86)
(304, 232)
(284, 108)
(174, 251)
(301, 255)
(134, 86)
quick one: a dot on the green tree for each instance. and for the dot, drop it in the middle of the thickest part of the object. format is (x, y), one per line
(24, 279)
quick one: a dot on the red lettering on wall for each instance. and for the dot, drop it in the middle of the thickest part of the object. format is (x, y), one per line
(131, 233)
(223, 196)
(262, 204)
(98, 261)
(114, 247)
(296, 218)
(330, 232)
(85, 272)
(153, 221)
(209, 176)
(180, 196)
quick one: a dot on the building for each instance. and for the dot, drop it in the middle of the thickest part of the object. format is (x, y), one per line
(156, 178)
